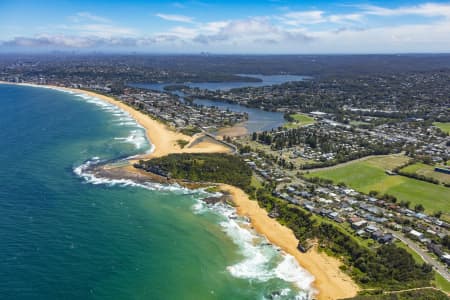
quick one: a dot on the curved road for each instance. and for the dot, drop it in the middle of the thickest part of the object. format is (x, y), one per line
(437, 265)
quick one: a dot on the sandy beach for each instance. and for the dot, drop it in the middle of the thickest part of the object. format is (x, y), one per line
(330, 281)
(163, 138)
(237, 130)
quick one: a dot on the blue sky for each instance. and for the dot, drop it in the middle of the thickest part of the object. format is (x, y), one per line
(271, 26)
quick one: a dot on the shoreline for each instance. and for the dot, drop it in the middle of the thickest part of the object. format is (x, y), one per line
(329, 281)
(163, 139)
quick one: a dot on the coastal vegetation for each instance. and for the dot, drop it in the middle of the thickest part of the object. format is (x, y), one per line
(211, 167)
(190, 130)
(389, 267)
(341, 103)
(182, 143)
(419, 294)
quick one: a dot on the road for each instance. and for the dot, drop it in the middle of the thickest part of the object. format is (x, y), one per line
(437, 265)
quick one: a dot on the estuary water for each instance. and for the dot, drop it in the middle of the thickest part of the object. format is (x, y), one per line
(67, 235)
(258, 119)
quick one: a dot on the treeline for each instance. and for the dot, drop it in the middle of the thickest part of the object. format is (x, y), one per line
(320, 139)
(220, 168)
(388, 267)
(425, 294)
(325, 142)
(419, 177)
(399, 171)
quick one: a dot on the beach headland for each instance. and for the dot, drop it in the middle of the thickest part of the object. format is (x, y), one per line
(330, 281)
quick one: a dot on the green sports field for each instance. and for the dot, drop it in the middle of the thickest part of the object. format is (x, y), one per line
(299, 120)
(369, 175)
(428, 171)
(445, 127)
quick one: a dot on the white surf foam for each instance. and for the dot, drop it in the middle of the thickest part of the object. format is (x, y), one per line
(82, 171)
(136, 137)
(123, 116)
(262, 261)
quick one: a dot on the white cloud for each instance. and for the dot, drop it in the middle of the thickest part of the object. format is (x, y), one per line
(87, 16)
(313, 31)
(103, 30)
(425, 9)
(79, 42)
(239, 32)
(312, 17)
(87, 24)
(175, 18)
(304, 17)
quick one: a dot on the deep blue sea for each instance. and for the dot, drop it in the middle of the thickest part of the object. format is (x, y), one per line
(65, 235)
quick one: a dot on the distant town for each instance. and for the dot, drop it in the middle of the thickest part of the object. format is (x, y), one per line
(348, 137)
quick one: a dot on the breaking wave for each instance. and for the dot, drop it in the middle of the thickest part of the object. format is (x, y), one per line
(89, 177)
(261, 261)
(136, 137)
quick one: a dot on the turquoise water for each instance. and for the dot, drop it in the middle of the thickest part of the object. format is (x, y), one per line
(67, 235)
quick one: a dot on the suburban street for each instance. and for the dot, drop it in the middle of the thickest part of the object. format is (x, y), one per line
(438, 266)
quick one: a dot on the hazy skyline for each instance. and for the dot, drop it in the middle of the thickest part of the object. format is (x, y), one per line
(258, 27)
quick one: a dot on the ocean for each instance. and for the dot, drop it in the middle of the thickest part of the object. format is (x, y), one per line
(68, 235)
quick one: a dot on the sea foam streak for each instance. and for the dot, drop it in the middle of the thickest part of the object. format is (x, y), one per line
(89, 177)
(137, 137)
(262, 260)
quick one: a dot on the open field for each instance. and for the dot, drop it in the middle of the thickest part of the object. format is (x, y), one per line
(441, 283)
(445, 127)
(370, 175)
(428, 171)
(299, 120)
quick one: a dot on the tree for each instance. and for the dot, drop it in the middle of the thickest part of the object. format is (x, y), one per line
(373, 193)
(254, 136)
(419, 208)
(404, 204)
(438, 214)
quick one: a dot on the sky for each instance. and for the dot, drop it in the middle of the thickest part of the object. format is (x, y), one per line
(226, 26)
